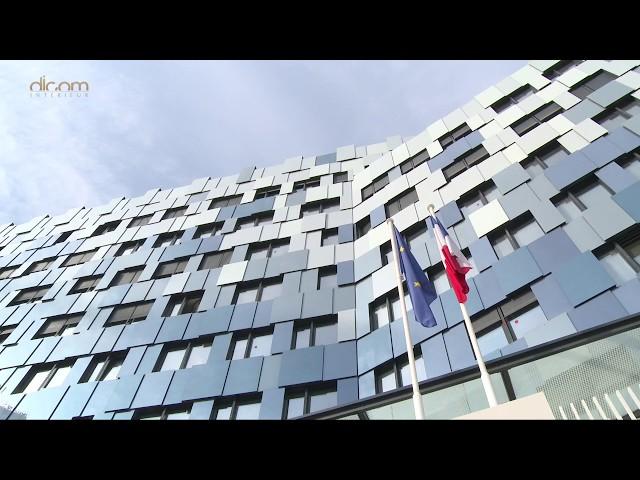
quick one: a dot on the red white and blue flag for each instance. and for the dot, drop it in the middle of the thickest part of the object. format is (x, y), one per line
(455, 263)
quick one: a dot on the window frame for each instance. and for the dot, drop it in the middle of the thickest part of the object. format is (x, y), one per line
(306, 392)
(187, 348)
(270, 245)
(231, 201)
(136, 244)
(249, 336)
(137, 271)
(175, 237)
(93, 281)
(131, 319)
(174, 212)
(395, 366)
(221, 256)
(40, 265)
(183, 300)
(79, 255)
(164, 411)
(234, 403)
(260, 284)
(140, 221)
(67, 322)
(312, 325)
(52, 368)
(176, 263)
(32, 299)
(109, 359)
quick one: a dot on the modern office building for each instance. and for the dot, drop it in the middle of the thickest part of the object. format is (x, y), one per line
(271, 294)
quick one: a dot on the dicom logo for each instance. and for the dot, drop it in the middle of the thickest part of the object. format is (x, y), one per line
(43, 88)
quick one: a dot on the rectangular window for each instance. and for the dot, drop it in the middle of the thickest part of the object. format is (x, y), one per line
(5, 332)
(631, 164)
(414, 162)
(330, 237)
(44, 376)
(127, 314)
(6, 272)
(340, 177)
(363, 226)
(179, 412)
(559, 68)
(591, 84)
(377, 185)
(104, 368)
(254, 221)
(183, 303)
(300, 402)
(267, 192)
(255, 343)
(40, 265)
(401, 202)
(242, 408)
(306, 184)
(618, 113)
(206, 231)
(168, 239)
(63, 237)
(167, 269)
(568, 207)
(125, 277)
(78, 258)
(106, 228)
(140, 221)
(314, 332)
(327, 278)
(536, 118)
(59, 326)
(177, 357)
(258, 291)
(86, 284)
(128, 248)
(617, 266)
(215, 260)
(456, 134)
(513, 98)
(268, 249)
(29, 295)
(174, 213)
(226, 202)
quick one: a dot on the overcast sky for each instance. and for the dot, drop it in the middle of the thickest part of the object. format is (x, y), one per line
(148, 124)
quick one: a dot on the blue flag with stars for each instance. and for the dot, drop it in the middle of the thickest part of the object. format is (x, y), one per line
(421, 291)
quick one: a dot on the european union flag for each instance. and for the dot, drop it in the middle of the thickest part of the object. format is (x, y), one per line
(421, 290)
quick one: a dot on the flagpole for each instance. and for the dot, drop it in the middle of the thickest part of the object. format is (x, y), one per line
(484, 375)
(417, 398)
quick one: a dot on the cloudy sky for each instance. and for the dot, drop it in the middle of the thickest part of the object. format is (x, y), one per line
(148, 124)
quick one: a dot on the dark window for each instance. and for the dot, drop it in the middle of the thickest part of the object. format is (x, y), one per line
(239, 408)
(205, 231)
(124, 277)
(516, 234)
(183, 303)
(226, 202)
(330, 237)
(377, 185)
(559, 68)
(448, 138)
(327, 277)
(215, 260)
(86, 284)
(130, 313)
(476, 199)
(258, 291)
(363, 226)
(340, 177)
(183, 355)
(59, 326)
(513, 98)
(543, 114)
(306, 184)
(128, 248)
(549, 155)
(254, 221)
(268, 249)
(104, 367)
(106, 228)
(5, 332)
(591, 84)
(174, 213)
(386, 309)
(167, 269)
(401, 202)
(465, 161)
(179, 412)
(396, 373)
(325, 206)
(508, 322)
(410, 164)
(30, 295)
(302, 401)
(630, 163)
(63, 237)
(40, 265)
(255, 343)
(6, 272)
(168, 239)
(140, 221)
(44, 376)
(78, 258)
(267, 192)
(618, 113)
(314, 332)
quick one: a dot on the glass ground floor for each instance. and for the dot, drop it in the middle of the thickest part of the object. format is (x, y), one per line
(591, 375)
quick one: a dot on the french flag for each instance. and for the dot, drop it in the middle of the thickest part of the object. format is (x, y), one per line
(456, 264)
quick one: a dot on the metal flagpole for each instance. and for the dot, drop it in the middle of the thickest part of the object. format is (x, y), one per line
(417, 398)
(484, 375)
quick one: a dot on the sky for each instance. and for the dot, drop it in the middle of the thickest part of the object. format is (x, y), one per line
(162, 124)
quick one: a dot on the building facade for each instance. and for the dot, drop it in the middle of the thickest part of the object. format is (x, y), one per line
(270, 294)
